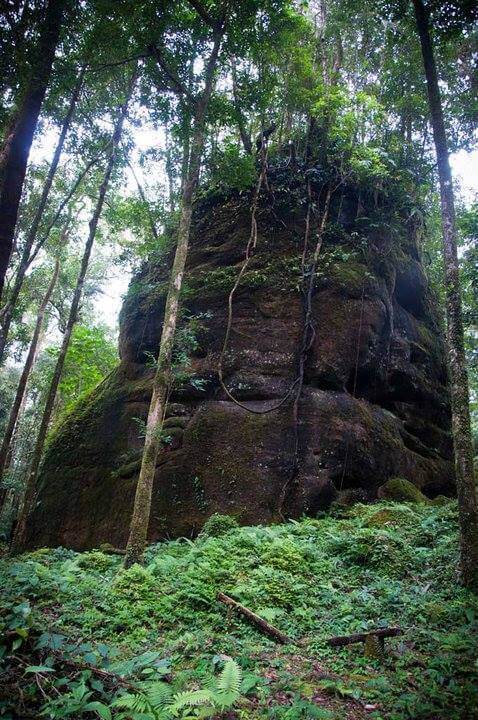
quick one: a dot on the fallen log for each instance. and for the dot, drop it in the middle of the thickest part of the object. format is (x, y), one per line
(110, 550)
(256, 620)
(99, 672)
(382, 633)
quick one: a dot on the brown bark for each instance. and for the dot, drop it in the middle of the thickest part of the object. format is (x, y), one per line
(341, 640)
(26, 258)
(22, 385)
(30, 490)
(467, 502)
(19, 136)
(142, 502)
(259, 622)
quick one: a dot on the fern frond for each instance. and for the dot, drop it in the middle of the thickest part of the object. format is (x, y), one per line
(130, 701)
(159, 694)
(191, 698)
(229, 681)
(205, 712)
(225, 700)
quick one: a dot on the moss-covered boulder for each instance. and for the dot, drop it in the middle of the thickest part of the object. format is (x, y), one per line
(401, 490)
(373, 405)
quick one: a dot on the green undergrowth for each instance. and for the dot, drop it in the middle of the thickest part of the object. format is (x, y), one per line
(84, 638)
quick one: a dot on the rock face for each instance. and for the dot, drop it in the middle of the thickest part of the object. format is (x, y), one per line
(373, 405)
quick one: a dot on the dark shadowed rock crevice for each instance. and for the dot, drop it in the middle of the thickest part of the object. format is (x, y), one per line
(374, 403)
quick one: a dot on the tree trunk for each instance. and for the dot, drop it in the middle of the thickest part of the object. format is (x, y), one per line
(142, 501)
(20, 394)
(185, 163)
(467, 503)
(169, 167)
(6, 313)
(142, 195)
(19, 136)
(19, 537)
(25, 261)
(244, 135)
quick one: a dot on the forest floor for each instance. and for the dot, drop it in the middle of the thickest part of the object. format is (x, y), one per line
(83, 638)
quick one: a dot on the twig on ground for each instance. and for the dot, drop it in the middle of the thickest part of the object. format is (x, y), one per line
(259, 622)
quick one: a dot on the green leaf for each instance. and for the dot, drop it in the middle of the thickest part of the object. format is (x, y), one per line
(53, 641)
(23, 632)
(100, 708)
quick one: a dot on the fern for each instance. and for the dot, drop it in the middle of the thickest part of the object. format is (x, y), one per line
(189, 699)
(129, 701)
(156, 702)
(159, 693)
(136, 707)
(229, 681)
(228, 685)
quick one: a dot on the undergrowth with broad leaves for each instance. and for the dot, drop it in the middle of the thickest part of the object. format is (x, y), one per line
(82, 638)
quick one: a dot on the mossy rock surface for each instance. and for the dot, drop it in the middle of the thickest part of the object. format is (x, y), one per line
(401, 490)
(440, 500)
(373, 405)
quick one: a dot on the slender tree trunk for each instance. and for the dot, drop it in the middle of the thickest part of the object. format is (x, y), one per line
(22, 385)
(16, 147)
(169, 167)
(9, 496)
(187, 121)
(25, 260)
(142, 501)
(185, 163)
(244, 135)
(6, 313)
(71, 192)
(19, 537)
(467, 502)
(14, 48)
(144, 199)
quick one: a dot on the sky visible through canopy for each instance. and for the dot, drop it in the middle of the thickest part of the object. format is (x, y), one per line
(108, 302)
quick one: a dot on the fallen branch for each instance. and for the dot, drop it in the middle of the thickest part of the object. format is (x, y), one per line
(112, 550)
(106, 675)
(259, 622)
(340, 640)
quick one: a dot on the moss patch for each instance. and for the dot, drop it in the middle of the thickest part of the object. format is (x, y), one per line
(402, 490)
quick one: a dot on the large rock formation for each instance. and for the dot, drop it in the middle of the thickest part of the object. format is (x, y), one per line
(373, 405)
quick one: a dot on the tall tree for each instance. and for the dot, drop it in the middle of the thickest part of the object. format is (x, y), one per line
(30, 489)
(142, 502)
(467, 502)
(19, 134)
(5, 449)
(7, 310)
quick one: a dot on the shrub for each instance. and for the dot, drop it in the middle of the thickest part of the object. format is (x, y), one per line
(284, 555)
(234, 171)
(136, 583)
(96, 560)
(218, 525)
